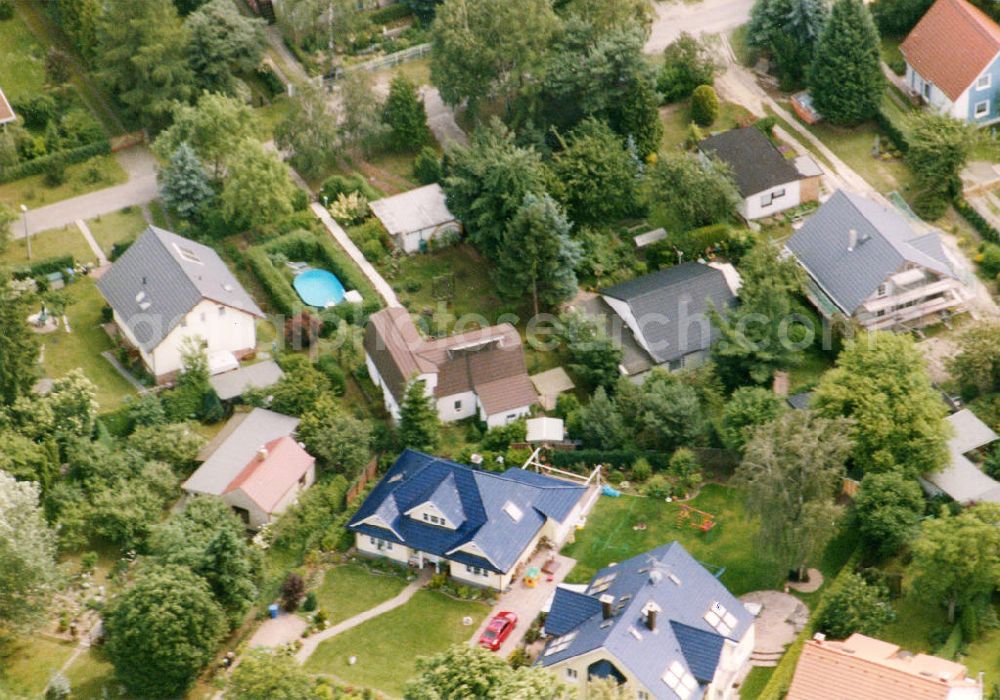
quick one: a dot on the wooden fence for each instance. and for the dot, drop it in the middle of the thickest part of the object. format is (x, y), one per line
(120, 143)
(366, 475)
(393, 59)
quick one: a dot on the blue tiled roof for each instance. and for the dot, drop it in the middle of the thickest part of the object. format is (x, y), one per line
(682, 633)
(473, 500)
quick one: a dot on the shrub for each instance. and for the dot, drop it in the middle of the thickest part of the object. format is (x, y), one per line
(427, 166)
(328, 365)
(641, 470)
(37, 165)
(658, 487)
(309, 604)
(976, 219)
(6, 10)
(282, 294)
(686, 65)
(55, 172)
(336, 185)
(390, 13)
(989, 259)
(766, 125)
(292, 591)
(37, 110)
(704, 105)
(856, 606)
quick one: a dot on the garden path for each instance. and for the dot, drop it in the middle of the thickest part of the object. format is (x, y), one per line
(310, 643)
(138, 163)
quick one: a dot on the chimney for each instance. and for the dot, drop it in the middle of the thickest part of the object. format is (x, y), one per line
(606, 602)
(650, 610)
(852, 239)
(262, 454)
(819, 637)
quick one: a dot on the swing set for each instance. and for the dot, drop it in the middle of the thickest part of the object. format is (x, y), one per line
(698, 519)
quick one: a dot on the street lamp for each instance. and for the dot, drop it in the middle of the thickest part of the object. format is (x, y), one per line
(27, 238)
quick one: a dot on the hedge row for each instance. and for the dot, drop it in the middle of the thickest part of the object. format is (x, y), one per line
(390, 13)
(44, 267)
(985, 228)
(38, 165)
(896, 135)
(282, 294)
(779, 682)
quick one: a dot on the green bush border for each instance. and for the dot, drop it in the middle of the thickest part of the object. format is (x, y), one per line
(777, 686)
(976, 220)
(38, 165)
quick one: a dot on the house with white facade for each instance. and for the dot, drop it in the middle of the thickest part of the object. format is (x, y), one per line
(417, 217)
(953, 61)
(166, 289)
(480, 527)
(477, 373)
(869, 262)
(255, 466)
(659, 624)
(768, 182)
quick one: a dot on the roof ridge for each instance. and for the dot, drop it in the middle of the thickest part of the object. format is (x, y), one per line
(842, 653)
(159, 239)
(977, 15)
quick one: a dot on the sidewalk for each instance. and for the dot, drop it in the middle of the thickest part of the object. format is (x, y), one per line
(343, 240)
(141, 187)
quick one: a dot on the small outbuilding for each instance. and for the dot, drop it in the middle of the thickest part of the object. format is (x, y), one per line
(416, 217)
(6, 111)
(230, 385)
(545, 430)
(962, 479)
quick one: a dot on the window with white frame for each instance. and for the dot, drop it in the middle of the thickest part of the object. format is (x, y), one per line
(766, 200)
(572, 674)
(679, 680)
(982, 108)
(881, 291)
(721, 619)
(984, 82)
(476, 570)
(458, 405)
(560, 643)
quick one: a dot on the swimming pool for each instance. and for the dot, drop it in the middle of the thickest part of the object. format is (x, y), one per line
(319, 288)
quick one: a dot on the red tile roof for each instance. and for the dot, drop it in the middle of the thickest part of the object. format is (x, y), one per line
(6, 112)
(864, 668)
(951, 45)
(272, 472)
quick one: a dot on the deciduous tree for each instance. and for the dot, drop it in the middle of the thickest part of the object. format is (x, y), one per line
(418, 419)
(938, 149)
(340, 441)
(881, 382)
(162, 631)
(956, 558)
(976, 365)
(745, 411)
(214, 128)
(888, 510)
(361, 126)
(792, 472)
(469, 672)
(687, 64)
(258, 189)
(537, 255)
(855, 606)
(27, 556)
(845, 78)
(309, 132)
(266, 674)
(692, 192)
(593, 356)
(223, 42)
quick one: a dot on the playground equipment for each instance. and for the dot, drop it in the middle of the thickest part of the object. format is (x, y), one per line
(531, 576)
(698, 519)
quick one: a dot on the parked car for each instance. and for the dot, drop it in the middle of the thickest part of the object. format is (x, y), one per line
(500, 627)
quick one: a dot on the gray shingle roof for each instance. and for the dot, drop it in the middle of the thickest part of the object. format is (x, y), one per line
(261, 375)
(886, 244)
(670, 307)
(757, 165)
(415, 210)
(258, 428)
(683, 634)
(173, 274)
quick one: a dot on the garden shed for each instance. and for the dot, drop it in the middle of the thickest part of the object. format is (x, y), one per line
(416, 217)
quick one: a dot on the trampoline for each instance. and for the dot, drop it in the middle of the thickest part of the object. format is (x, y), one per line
(319, 288)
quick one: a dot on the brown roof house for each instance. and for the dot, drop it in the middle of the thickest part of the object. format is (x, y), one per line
(480, 372)
(953, 61)
(864, 668)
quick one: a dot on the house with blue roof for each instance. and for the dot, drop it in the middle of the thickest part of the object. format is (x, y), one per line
(659, 624)
(478, 526)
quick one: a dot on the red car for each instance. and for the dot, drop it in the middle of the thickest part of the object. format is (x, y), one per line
(500, 627)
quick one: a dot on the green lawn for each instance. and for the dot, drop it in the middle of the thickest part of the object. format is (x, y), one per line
(81, 178)
(417, 70)
(387, 646)
(609, 537)
(755, 682)
(92, 677)
(49, 244)
(22, 60)
(471, 293)
(26, 665)
(82, 348)
(890, 51)
(269, 116)
(117, 227)
(676, 120)
(351, 588)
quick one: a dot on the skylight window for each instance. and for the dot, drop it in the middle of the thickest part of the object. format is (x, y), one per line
(679, 680)
(720, 619)
(560, 643)
(513, 511)
(187, 254)
(601, 584)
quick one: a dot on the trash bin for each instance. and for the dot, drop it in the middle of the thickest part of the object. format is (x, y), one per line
(272, 609)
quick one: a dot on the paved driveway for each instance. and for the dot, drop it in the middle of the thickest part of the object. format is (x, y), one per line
(526, 602)
(706, 17)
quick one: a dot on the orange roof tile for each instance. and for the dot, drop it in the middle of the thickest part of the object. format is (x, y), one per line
(951, 45)
(270, 474)
(863, 668)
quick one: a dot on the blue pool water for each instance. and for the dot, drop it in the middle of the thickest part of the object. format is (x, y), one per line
(319, 288)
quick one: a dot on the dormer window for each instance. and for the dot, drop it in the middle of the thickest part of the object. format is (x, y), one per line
(511, 509)
(721, 619)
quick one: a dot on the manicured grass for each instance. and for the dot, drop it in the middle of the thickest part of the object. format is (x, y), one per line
(609, 537)
(91, 676)
(159, 214)
(269, 116)
(27, 664)
(81, 178)
(22, 60)
(117, 227)
(890, 50)
(417, 70)
(49, 244)
(351, 588)
(387, 646)
(676, 120)
(755, 682)
(82, 348)
(914, 624)
(472, 293)
(984, 655)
